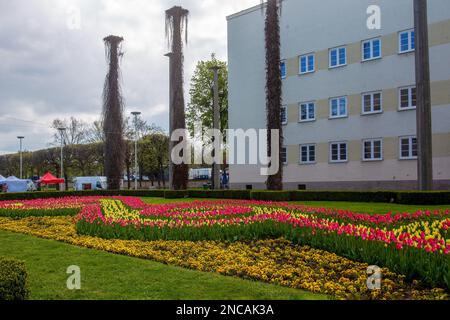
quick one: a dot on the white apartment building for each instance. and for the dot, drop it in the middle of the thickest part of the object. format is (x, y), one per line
(348, 93)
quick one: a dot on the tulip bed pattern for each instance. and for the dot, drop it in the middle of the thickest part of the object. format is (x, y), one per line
(416, 245)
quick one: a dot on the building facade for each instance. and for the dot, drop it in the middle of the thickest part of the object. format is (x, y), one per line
(348, 93)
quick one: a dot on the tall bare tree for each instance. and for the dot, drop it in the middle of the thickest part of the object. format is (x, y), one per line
(113, 116)
(176, 24)
(273, 85)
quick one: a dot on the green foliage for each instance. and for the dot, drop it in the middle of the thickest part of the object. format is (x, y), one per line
(176, 194)
(13, 280)
(271, 195)
(432, 197)
(20, 213)
(219, 194)
(200, 107)
(353, 196)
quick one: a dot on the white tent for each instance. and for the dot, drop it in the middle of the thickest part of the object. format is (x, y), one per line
(16, 185)
(2, 178)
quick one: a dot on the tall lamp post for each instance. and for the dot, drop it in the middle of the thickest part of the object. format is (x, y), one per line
(171, 120)
(21, 158)
(136, 114)
(216, 125)
(62, 130)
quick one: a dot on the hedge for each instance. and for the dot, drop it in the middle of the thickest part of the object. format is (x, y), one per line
(400, 197)
(220, 194)
(20, 213)
(157, 193)
(271, 195)
(13, 280)
(352, 196)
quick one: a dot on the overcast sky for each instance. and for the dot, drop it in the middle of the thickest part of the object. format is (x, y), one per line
(52, 62)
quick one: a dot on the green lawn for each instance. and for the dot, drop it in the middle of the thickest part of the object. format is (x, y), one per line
(361, 207)
(109, 276)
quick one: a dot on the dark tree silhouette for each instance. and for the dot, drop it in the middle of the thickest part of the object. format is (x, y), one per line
(113, 116)
(273, 85)
(176, 24)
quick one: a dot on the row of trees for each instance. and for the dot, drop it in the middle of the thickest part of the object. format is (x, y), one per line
(84, 152)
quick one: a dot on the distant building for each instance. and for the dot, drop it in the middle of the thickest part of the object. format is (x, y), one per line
(348, 93)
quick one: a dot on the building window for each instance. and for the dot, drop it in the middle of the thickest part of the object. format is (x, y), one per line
(307, 63)
(284, 155)
(338, 57)
(338, 107)
(284, 116)
(283, 69)
(372, 103)
(307, 111)
(407, 41)
(408, 148)
(407, 98)
(338, 152)
(373, 150)
(307, 153)
(371, 49)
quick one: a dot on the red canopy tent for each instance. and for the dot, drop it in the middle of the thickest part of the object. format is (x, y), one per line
(48, 178)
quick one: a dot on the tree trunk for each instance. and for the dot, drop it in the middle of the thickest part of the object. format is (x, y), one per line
(176, 18)
(273, 86)
(114, 148)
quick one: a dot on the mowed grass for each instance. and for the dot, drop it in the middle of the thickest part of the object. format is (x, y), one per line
(109, 276)
(361, 207)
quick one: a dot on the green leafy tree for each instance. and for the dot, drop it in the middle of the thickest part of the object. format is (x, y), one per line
(200, 107)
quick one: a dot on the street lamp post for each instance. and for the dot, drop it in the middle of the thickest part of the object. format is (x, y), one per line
(216, 125)
(171, 120)
(61, 131)
(21, 158)
(136, 114)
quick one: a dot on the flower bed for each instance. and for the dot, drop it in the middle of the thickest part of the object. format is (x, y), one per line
(68, 206)
(416, 245)
(273, 261)
(412, 244)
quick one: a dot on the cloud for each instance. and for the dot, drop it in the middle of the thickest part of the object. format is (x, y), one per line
(53, 63)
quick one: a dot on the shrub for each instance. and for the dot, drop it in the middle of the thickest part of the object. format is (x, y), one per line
(271, 195)
(13, 280)
(351, 196)
(19, 213)
(424, 198)
(176, 194)
(219, 194)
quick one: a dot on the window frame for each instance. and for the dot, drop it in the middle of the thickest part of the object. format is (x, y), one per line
(300, 72)
(308, 162)
(286, 121)
(371, 49)
(372, 111)
(331, 107)
(410, 98)
(410, 147)
(338, 65)
(283, 62)
(339, 143)
(307, 111)
(372, 151)
(410, 49)
(286, 152)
